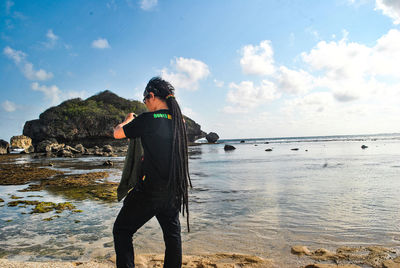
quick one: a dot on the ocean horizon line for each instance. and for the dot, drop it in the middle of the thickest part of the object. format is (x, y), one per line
(380, 136)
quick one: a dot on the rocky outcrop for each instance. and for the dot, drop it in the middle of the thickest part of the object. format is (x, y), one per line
(21, 142)
(53, 148)
(90, 122)
(48, 146)
(212, 137)
(228, 147)
(193, 131)
(4, 147)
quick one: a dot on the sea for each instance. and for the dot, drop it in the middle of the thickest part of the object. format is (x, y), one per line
(262, 198)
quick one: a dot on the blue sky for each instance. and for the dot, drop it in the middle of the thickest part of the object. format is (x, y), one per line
(243, 69)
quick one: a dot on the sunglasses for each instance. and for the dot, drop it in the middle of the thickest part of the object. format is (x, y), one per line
(146, 97)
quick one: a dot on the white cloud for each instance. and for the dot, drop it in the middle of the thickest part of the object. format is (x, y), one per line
(390, 8)
(258, 59)
(219, 83)
(26, 67)
(235, 110)
(188, 73)
(352, 70)
(314, 33)
(188, 112)
(8, 106)
(9, 5)
(33, 74)
(246, 95)
(294, 82)
(112, 5)
(101, 43)
(16, 55)
(75, 94)
(51, 93)
(314, 102)
(51, 39)
(148, 4)
(51, 36)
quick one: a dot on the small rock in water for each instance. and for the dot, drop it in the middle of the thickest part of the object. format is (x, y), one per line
(300, 250)
(266, 142)
(242, 141)
(4, 147)
(294, 149)
(212, 137)
(229, 147)
(108, 163)
(364, 146)
(268, 150)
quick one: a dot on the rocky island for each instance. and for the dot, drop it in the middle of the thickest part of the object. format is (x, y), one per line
(90, 122)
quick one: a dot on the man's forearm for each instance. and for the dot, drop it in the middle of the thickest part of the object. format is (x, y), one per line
(119, 131)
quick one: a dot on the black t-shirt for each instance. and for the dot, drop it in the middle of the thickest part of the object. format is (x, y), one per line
(155, 131)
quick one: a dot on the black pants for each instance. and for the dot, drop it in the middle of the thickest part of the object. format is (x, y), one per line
(138, 209)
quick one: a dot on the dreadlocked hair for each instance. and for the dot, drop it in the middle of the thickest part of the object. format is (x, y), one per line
(179, 179)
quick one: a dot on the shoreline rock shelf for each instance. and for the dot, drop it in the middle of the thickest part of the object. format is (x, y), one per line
(350, 257)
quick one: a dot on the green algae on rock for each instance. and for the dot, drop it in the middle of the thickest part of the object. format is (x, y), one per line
(43, 207)
(79, 187)
(17, 174)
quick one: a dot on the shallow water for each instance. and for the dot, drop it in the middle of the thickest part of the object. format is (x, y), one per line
(327, 194)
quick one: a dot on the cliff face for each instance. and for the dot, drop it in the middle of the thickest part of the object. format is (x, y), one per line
(91, 121)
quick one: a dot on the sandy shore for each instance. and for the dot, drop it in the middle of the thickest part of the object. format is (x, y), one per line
(344, 257)
(220, 260)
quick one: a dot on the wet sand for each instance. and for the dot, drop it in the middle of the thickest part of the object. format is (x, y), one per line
(344, 257)
(220, 260)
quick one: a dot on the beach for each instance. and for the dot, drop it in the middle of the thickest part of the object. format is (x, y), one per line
(326, 194)
(154, 260)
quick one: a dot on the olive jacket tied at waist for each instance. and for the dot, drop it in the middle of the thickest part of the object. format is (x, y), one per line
(132, 168)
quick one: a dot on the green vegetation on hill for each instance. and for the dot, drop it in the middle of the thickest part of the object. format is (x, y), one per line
(105, 105)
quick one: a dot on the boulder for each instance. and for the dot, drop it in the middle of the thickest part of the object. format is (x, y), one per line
(46, 145)
(228, 147)
(212, 137)
(242, 141)
(107, 148)
(300, 250)
(71, 149)
(21, 142)
(108, 163)
(98, 152)
(80, 148)
(64, 153)
(29, 150)
(268, 150)
(294, 149)
(55, 147)
(364, 146)
(4, 147)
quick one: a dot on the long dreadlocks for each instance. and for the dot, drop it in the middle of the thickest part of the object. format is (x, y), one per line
(179, 179)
